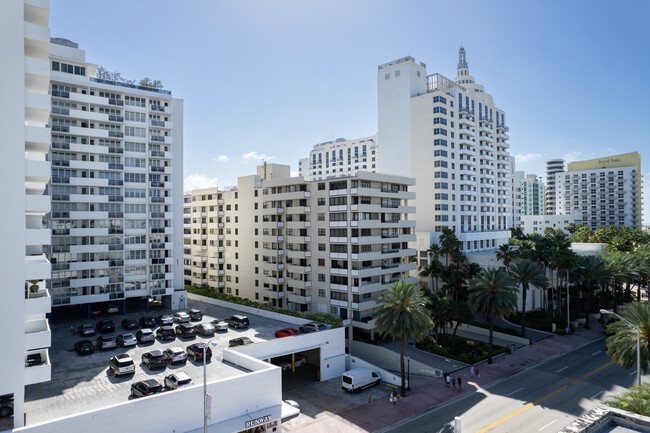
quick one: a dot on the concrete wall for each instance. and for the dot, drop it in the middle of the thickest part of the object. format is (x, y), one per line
(501, 336)
(386, 358)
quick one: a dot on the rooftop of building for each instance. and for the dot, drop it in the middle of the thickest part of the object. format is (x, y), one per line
(603, 419)
(398, 61)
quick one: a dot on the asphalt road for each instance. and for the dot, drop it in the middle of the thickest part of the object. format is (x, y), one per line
(544, 398)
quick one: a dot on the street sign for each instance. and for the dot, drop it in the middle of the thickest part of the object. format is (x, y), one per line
(208, 406)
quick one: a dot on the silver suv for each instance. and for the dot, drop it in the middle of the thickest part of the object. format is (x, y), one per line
(121, 365)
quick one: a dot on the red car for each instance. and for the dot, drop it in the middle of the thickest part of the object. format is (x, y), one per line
(286, 332)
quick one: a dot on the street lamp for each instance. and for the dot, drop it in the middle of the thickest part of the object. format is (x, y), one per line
(408, 373)
(638, 342)
(568, 321)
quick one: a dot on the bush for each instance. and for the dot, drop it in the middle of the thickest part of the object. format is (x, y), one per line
(211, 293)
(460, 349)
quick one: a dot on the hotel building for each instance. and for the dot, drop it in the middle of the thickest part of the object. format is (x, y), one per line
(340, 157)
(531, 191)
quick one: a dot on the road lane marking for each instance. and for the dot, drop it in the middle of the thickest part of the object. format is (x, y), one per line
(563, 368)
(595, 353)
(633, 373)
(547, 425)
(516, 390)
(546, 397)
(595, 395)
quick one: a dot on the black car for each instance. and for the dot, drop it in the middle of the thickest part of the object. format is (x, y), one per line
(86, 330)
(84, 347)
(154, 359)
(105, 342)
(147, 322)
(195, 314)
(195, 351)
(105, 326)
(237, 321)
(166, 333)
(146, 387)
(240, 341)
(129, 324)
(145, 335)
(6, 408)
(186, 330)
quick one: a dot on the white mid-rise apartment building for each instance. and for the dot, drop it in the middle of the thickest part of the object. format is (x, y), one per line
(24, 117)
(340, 157)
(330, 246)
(451, 137)
(531, 190)
(553, 166)
(605, 191)
(116, 187)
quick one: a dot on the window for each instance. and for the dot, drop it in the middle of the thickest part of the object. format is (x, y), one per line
(439, 131)
(439, 99)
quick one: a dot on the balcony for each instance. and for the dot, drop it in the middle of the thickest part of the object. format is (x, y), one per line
(37, 334)
(37, 267)
(38, 302)
(38, 368)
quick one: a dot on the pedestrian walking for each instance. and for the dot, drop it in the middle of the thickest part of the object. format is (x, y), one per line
(447, 380)
(390, 399)
(471, 371)
(476, 372)
(453, 382)
(459, 383)
(394, 396)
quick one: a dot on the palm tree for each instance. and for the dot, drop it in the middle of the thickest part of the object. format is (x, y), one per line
(622, 345)
(525, 273)
(492, 294)
(433, 270)
(592, 273)
(637, 400)
(506, 253)
(402, 314)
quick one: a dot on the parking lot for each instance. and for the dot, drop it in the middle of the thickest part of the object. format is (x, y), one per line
(81, 383)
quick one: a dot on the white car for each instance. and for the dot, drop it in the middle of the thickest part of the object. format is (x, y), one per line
(127, 340)
(285, 364)
(220, 325)
(181, 317)
(312, 327)
(175, 355)
(177, 380)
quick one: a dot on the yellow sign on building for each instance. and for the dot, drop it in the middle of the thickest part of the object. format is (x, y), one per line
(632, 159)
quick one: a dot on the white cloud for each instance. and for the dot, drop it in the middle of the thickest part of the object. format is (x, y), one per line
(524, 157)
(571, 156)
(199, 181)
(255, 155)
(221, 158)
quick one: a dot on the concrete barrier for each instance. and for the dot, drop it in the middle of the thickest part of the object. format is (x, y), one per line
(386, 376)
(500, 335)
(389, 360)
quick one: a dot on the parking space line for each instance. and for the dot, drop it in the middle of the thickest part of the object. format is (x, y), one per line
(563, 368)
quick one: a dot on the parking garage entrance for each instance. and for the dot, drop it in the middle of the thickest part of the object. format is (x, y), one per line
(298, 368)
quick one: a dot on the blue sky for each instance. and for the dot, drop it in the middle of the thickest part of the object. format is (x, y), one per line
(266, 80)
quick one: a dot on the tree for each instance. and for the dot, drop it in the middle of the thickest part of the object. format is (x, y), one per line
(525, 273)
(506, 253)
(637, 400)
(592, 274)
(441, 311)
(622, 345)
(492, 294)
(433, 270)
(402, 314)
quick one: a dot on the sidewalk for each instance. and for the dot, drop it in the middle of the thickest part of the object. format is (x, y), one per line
(379, 414)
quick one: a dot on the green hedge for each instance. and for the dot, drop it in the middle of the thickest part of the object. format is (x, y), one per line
(502, 329)
(540, 320)
(211, 293)
(459, 348)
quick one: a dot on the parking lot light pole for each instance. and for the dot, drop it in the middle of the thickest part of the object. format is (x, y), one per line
(408, 373)
(638, 342)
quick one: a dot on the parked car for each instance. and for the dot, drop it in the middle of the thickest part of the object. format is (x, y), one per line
(105, 342)
(312, 327)
(181, 317)
(146, 387)
(129, 324)
(186, 330)
(154, 359)
(285, 363)
(359, 378)
(286, 332)
(145, 336)
(175, 355)
(6, 408)
(121, 364)
(147, 322)
(206, 329)
(127, 340)
(84, 347)
(195, 314)
(105, 326)
(166, 333)
(238, 321)
(112, 309)
(178, 380)
(195, 351)
(165, 319)
(95, 311)
(220, 325)
(240, 341)
(86, 330)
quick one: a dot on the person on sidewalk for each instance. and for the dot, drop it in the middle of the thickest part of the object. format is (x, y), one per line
(453, 382)
(390, 398)
(460, 380)
(476, 372)
(447, 380)
(394, 398)
(471, 371)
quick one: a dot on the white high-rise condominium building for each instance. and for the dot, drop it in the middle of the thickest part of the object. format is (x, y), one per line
(116, 187)
(450, 137)
(605, 191)
(531, 190)
(340, 157)
(330, 246)
(24, 116)
(553, 166)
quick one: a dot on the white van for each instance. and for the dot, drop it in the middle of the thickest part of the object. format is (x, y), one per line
(356, 379)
